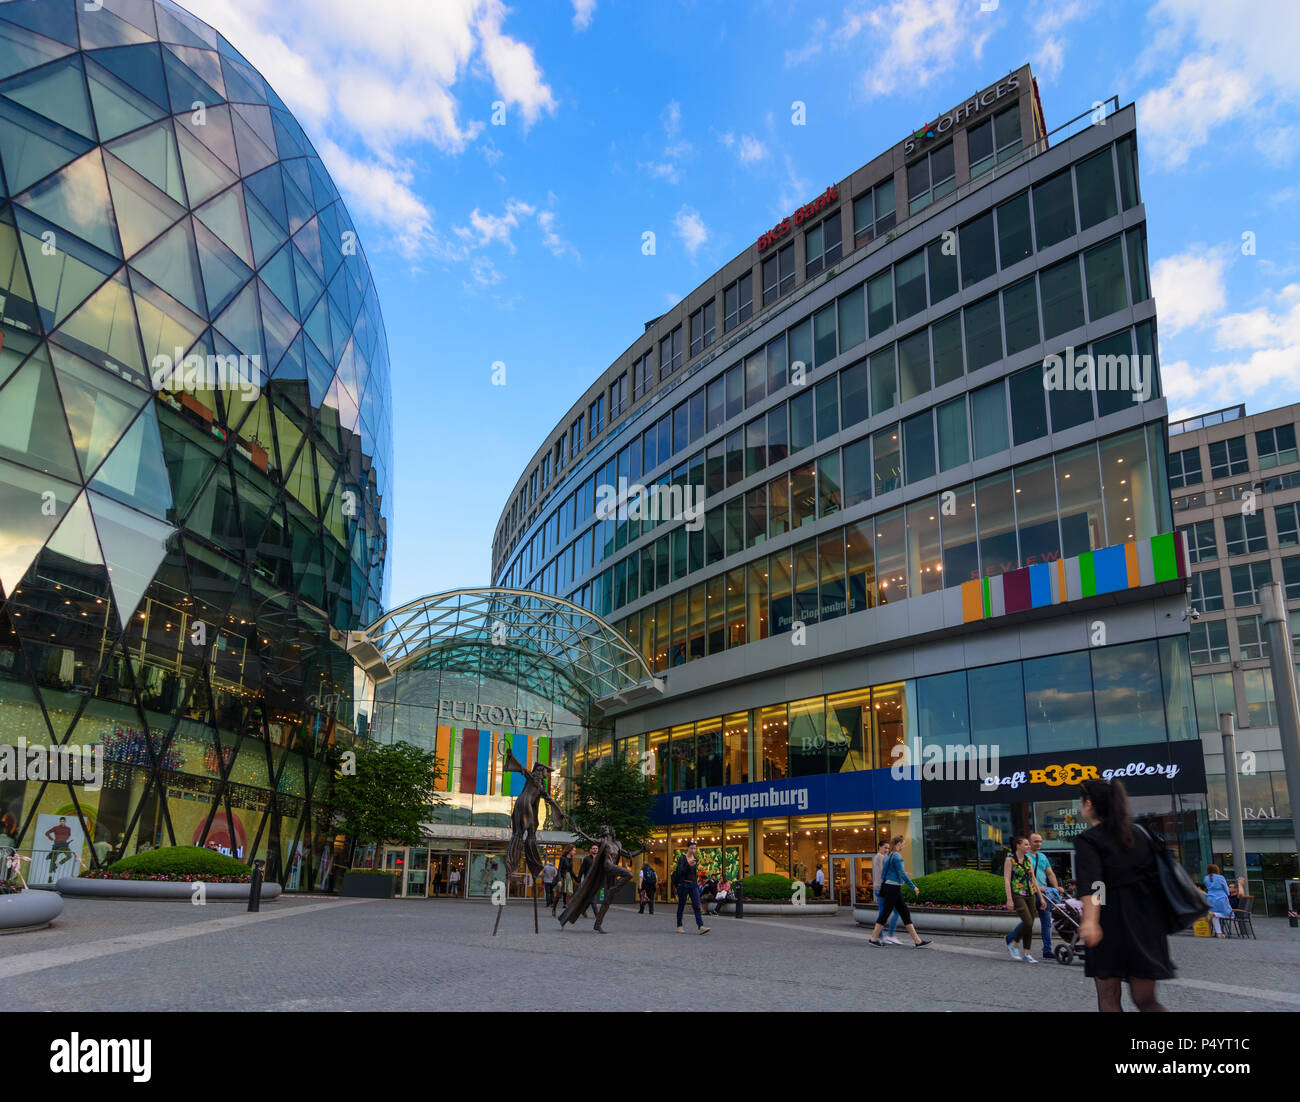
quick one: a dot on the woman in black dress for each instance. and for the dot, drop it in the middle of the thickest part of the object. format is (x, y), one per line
(1124, 920)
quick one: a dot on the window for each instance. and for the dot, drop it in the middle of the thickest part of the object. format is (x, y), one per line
(824, 347)
(873, 213)
(755, 379)
(801, 421)
(994, 141)
(1228, 457)
(738, 302)
(1276, 446)
(1126, 152)
(1291, 577)
(884, 380)
(954, 439)
(983, 333)
(914, 365)
(1059, 703)
(1251, 638)
(1096, 180)
(888, 460)
(1288, 525)
(857, 475)
(909, 278)
(1207, 591)
(670, 353)
(1062, 298)
(988, 418)
(853, 319)
(829, 485)
(618, 396)
(1020, 308)
(1136, 242)
(828, 407)
(1128, 693)
(1028, 408)
(778, 274)
(1201, 546)
(575, 437)
(946, 336)
(546, 470)
(1185, 468)
(1244, 534)
(642, 377)
(941, 257)
(735, 384)
(918, 447)
(979, 258)
(702, 328)
(1247, 580)
(1054, 210)
(930, 178)
(880, 303)
(596, 417)
(1015, 239)
(777, 365)
(1104, 266)
(755, 445)
(561, 452)
(1209, 642)
(822, 246)
(800, 340)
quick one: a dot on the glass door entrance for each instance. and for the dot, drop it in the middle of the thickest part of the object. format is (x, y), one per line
(851, 879)
(410, 869)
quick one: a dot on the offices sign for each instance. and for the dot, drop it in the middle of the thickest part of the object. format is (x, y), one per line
(963, 112)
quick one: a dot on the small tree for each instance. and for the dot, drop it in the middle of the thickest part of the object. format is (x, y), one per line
(615, 793)
(388, 794)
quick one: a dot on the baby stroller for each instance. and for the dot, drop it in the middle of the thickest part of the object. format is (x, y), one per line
(1067, 917)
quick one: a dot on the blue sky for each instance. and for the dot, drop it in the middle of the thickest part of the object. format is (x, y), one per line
(517, 239)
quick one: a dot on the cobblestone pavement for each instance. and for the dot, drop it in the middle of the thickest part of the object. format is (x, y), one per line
(327, 954)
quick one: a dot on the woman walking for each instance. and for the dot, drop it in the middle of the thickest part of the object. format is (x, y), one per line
(564, 882)
(1127, 939)
(893, 876)
(1216, 892)
(1024, 896)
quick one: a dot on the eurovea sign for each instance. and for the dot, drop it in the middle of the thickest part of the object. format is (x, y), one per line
(806, 213)
(964, 112)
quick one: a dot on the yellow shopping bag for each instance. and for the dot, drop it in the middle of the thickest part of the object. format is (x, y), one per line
(1201, 927)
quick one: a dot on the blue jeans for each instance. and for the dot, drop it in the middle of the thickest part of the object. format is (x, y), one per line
(1045, 924)
(687, 890)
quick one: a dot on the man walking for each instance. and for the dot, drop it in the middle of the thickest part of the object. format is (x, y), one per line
(1046, 877)
(585, 868)
(647, 886)
(549, 873)
(687, 883)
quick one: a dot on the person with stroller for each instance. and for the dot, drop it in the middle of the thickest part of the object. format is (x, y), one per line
(1024, 896)
(1127, 939)
(1216, 895)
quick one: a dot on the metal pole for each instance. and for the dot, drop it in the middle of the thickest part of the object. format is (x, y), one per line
(1226, 728)
(1282, 662)
(255, 887)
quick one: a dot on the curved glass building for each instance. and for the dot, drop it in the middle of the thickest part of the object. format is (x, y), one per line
(893, 478)
(195, 446)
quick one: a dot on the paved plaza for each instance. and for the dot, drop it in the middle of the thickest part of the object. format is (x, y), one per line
(318, 953)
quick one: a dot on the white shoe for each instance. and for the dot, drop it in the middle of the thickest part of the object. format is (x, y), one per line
(1028, 959)
(891, 940)
(1015, 951)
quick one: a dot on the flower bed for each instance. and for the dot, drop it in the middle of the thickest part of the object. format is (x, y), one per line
(164, 877)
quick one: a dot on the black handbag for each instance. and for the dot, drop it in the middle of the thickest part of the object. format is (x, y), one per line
(1185, 903)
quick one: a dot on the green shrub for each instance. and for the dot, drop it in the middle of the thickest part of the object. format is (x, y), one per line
(959, 887)
(180, 861)
(768, 886)
(369, 872)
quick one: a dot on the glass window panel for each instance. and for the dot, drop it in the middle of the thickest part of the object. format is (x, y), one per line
(918, 446)
(988, 416)
(755, 445)
(1127, 489)
(801, 420)
(1040, 538)
(772, 724)
(979, 258)
(1176, 681)
(1136, 241)
(735, 391)
(854, 393)
(808, 758)
(1079, 500)
(914, 365)
(924, 554)
(960, 550)
(997, 524)
(983, 333)
(1126, 151)
(880, 303)
(736, 633)
(829, 485)
(1109, 368)
(1062, 298)
(735, 525)
(853, 319)
(778, 434)
(891, 556)
(909, 281)
(756, 515)
(714, 535)
(803, 496)
(847, 714)
(735, 457)
(715, 467)
(884, 380)
(828, 407)
(954, 439)
(1020, 308)
(941, 256)
(1015, 240)
(1054, 210)
(801, 349)
(857, 476)
(1104, 266)
(997, 708)
(1129, 698)
(946, 336)
(888, 460)
(830, 553)
(778, 501)
(755, 379)
(1096, 181)
(780, 598)
(776, 364)
(805, 582)
(860, 562)
(1071, 404)
(1058, 703)
(1028, 407)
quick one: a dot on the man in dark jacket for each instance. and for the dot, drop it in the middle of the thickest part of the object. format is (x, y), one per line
(686, 881)
(584, 869)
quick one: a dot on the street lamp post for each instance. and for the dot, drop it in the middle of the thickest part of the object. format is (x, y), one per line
(1282, 662)
(1226, 729)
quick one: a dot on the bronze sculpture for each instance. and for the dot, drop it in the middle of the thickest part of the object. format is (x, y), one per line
(605, 872)
(524, 824)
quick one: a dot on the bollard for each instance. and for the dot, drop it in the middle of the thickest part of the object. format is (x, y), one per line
(740, 899)
(255, 888)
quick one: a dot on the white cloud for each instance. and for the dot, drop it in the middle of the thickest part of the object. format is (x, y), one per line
(484, 229)
(690, 227)
(1189, 289)
(671, 117)
(1178, 117)
(374, 82)
(914, 41)
(583, 10)
(751, 150)
(675, 150)
(809, 49)
(793, 190)
(546, 220)
(484, 272)
(1048, 21)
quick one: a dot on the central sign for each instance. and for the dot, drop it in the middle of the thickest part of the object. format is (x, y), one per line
(493, 715)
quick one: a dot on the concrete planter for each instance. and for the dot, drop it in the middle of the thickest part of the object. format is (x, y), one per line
(946, 922)
(28, 910)
(160, 890)
(785, 910)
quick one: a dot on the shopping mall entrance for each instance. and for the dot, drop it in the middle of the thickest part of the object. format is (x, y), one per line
(851, 879)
